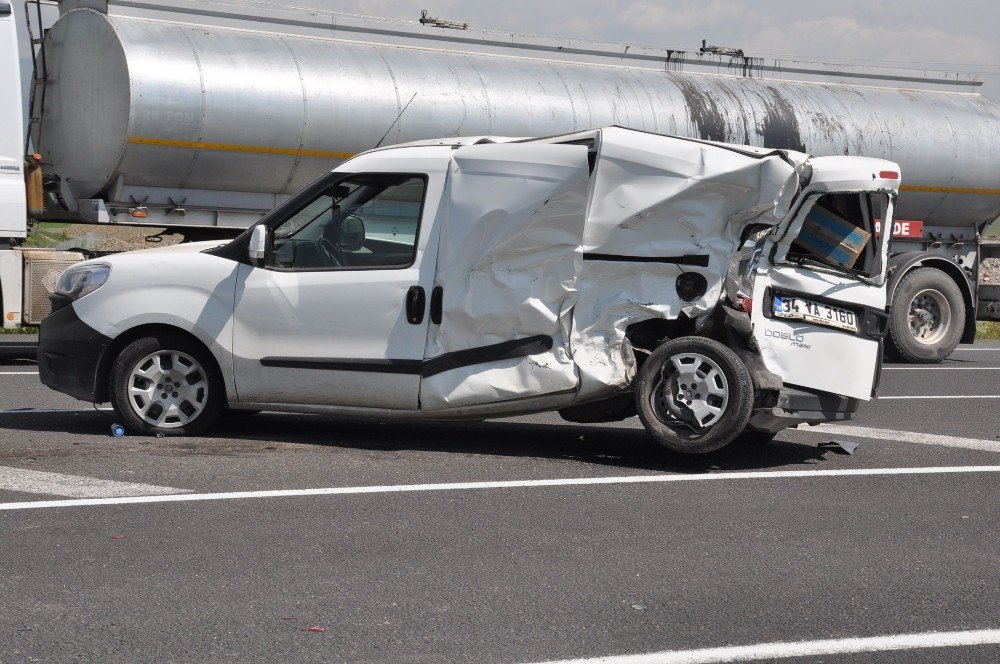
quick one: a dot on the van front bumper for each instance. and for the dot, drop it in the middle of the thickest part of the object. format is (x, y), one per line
(800, 405)
(70, 354)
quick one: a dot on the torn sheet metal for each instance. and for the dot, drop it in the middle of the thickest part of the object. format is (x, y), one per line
(536, 244)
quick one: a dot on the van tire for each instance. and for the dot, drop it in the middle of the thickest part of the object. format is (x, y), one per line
(171, 374)
(927, 316)
(700, 407)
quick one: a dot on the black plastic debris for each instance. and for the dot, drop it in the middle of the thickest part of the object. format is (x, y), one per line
(840, 446)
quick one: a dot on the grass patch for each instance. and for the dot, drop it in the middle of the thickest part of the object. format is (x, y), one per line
(987, 330)
(993, 230)
(19, 330)
(46, 234)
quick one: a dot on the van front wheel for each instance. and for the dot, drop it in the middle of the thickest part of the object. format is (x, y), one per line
(694, 395)
(166, 384)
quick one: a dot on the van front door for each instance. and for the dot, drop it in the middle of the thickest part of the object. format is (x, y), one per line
(819, 296)
(337, 315)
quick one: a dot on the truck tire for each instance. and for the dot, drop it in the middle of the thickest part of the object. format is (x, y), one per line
(166, 384)
(927, 316)
(694, 395)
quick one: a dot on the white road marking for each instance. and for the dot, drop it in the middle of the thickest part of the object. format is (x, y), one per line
(785, 649)
(944, 396)
(905, 436)
(510, 484)
(75, 486)
(976, 350)
(29, 411)
(940, 368)
(18, 373)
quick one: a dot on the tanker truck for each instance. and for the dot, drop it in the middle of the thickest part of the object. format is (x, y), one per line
(200, 119)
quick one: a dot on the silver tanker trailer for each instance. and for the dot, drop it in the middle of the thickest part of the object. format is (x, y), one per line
(195, 118)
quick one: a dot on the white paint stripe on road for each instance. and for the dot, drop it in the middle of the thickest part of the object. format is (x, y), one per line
(18, 373)
(940, 368)
(75, 486)
(803, 648)
(30, 411)
(943, 396)
(509, 484)
(976, 350)
(905, 436)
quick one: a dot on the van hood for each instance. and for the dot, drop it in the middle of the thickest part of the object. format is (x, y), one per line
(182, 248)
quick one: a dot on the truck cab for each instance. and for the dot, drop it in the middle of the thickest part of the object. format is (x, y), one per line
(712, 290)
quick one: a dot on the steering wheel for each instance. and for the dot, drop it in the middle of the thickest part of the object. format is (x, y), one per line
(329, 251)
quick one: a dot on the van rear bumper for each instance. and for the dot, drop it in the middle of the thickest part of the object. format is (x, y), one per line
(70, 353)
(801, 405)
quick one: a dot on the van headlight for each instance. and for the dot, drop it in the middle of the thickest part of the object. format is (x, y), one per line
(80, 280)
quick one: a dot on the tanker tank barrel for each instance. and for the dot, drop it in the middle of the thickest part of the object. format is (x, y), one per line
(243, 118)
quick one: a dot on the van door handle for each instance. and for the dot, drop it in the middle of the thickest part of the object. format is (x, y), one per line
(437, 304)
(415, 301)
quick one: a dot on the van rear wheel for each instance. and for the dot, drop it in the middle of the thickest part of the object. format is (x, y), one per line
(694, 395)
(166, 384)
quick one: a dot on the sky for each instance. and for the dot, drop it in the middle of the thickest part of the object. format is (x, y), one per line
(960, 35)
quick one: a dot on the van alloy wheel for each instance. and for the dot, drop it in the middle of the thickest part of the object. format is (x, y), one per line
(168, 389)
(694, 395)
(693, 389)
(166, 384)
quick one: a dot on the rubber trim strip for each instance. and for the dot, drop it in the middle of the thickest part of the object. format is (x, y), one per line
(369, 366)
(687, 259)
(504, 350)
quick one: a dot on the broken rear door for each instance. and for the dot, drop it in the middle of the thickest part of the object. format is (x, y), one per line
(819, 296)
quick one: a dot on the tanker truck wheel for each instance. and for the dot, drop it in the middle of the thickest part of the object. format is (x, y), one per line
(694, 395)
(166, 384)
(927, 317)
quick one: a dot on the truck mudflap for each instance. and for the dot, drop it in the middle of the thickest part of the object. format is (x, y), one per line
(69, 354)
(801, 405)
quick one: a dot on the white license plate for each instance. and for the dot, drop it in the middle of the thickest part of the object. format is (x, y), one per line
(814, 312)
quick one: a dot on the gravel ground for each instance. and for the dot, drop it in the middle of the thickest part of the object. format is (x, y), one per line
(990, 273)
(118, 238)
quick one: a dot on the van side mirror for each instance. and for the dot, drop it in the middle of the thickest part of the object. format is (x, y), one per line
(257, 251)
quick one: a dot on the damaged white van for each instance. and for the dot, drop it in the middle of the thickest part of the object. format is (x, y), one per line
(714, 290)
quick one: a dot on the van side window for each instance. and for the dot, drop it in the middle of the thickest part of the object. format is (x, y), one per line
(839, 231)
(361, 222)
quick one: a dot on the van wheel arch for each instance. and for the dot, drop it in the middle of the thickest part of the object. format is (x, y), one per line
(130, 335)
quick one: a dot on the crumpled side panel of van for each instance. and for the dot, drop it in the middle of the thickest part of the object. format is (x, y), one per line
(534, 244)
(665, 206)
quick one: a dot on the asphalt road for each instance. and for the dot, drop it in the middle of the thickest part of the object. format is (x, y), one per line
(637, 552)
